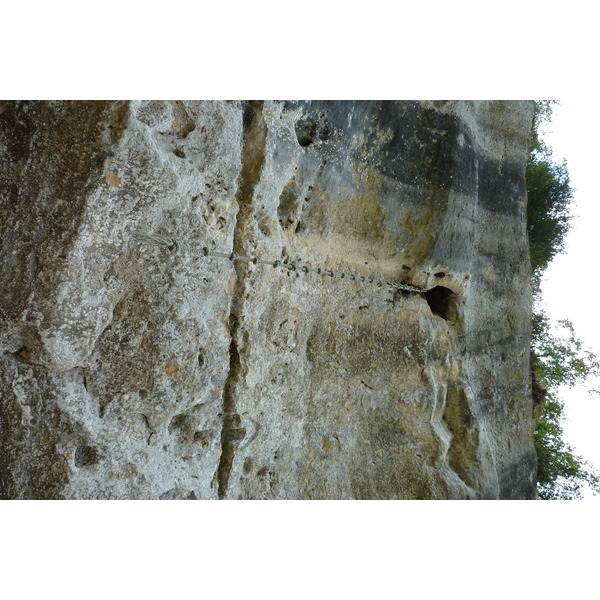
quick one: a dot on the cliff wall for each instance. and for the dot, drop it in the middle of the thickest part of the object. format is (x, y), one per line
(137, 362)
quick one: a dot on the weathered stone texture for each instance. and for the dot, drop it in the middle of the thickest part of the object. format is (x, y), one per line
(131, 370)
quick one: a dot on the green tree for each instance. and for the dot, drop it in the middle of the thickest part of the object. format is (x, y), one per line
(559, 360)
(542, 116)
(549, 196)
(561, 473)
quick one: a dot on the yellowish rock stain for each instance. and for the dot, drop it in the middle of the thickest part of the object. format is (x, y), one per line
(171, 369)
(112, 179)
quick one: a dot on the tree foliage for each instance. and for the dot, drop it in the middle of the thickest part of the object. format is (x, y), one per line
(558, 357)
(549, 196)
(561, 359)
(561, 473)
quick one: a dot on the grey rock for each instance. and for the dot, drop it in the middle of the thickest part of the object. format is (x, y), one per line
(134, 366)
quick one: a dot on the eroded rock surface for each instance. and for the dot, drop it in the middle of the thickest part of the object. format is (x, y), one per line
(132, 369)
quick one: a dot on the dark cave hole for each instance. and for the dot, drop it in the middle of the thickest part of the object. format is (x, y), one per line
(441, 301)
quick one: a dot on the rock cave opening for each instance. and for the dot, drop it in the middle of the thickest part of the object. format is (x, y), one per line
(442, 302)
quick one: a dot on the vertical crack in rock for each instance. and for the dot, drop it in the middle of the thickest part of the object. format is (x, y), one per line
(253, 158)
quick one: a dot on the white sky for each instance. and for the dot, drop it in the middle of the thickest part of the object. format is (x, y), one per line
(570, 285)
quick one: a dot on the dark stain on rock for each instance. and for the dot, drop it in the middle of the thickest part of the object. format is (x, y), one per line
(288, 204)
(517, 479)
(55, 155)
(201, 357)
(138, 354)
(31, 465)
(177, 493)
(183, 124)
(85, 456)
(184, 426)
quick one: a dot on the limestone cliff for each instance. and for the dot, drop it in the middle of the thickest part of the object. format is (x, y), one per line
(136, 362)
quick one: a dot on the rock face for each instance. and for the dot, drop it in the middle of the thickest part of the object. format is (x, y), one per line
(137, 366)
